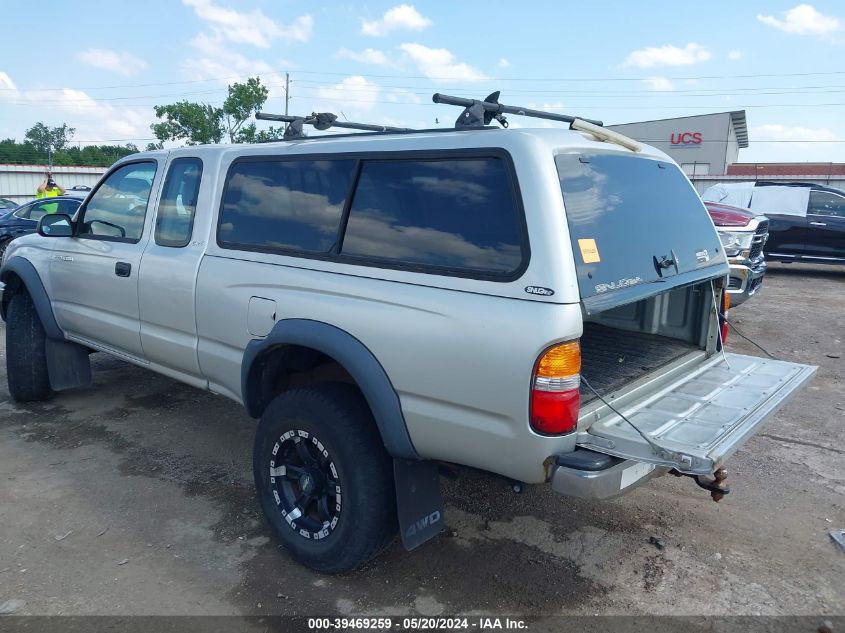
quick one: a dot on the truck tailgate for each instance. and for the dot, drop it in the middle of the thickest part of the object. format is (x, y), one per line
(700, 421)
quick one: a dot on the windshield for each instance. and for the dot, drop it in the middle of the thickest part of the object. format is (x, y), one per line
(635, 222)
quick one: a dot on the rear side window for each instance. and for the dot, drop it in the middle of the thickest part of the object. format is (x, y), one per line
(826, 203)
(293, 205)
(456, 214)
(175, 217)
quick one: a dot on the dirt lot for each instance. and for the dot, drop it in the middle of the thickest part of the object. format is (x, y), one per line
(135, 497)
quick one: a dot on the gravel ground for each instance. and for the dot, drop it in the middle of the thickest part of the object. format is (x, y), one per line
(135, 497)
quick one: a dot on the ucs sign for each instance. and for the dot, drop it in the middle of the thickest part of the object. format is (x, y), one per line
(686, 138)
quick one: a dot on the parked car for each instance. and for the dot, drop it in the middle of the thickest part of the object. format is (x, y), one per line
(7, 205)
(78, 191)
(24, 219)
(806, 221)
(544, 304)
(743, 236)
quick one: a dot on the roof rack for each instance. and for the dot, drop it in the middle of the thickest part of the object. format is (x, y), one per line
(321, 121)
(478, 114)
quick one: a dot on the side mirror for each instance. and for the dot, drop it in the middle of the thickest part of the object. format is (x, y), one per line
(55, 225)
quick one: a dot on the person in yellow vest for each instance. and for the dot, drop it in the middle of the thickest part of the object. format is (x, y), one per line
(49, 189)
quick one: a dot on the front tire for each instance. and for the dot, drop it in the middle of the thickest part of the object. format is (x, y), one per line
(324, 478)
(4, 244)
(26, 352)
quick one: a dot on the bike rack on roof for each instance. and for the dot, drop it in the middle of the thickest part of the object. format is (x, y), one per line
(480, 113)
(321, 121)
(476, 115)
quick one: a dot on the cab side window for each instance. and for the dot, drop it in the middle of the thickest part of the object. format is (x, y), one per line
(455, 214)
(826, 203)
(117, 209)
(178, 204)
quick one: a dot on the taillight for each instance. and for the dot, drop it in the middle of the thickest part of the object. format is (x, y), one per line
(555, 396)
(726, 305)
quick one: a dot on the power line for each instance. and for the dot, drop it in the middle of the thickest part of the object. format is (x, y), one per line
(437, 78)
(419, 91)
(712, 91)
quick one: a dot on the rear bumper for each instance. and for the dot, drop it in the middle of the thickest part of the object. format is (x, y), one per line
(746, 280)
(612, 478)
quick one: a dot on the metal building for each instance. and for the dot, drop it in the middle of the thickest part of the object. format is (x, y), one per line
(702, 145)
(19, 182)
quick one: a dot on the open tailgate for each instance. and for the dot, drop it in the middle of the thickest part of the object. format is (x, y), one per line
(701, 420)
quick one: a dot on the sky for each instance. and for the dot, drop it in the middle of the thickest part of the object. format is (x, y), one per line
(100, 66)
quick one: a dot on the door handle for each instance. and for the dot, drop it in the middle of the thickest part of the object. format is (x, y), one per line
(122, 269)
(818, 223)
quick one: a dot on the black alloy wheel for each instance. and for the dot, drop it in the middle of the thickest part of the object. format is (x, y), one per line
(305, 484)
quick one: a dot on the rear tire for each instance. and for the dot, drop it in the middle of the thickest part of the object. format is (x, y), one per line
(26, 352)
(324, 478)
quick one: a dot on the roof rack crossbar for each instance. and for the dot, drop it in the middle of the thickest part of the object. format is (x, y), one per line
(492, 109)
(321, 121)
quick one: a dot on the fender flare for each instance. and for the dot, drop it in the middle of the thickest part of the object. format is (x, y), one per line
(355, 358)
(24, 269)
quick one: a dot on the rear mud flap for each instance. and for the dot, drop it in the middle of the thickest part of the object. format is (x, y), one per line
(418, 501)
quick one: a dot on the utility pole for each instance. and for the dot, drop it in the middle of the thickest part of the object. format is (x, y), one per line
(287, 96)
(287, 92)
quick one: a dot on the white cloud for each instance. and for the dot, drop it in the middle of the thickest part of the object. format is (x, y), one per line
(777, 132)
(366, 56)
(115, 61)
(667, 55)
(401, 17)
(547, 105)
(775, 142)
(441, 64)
(735, 55)
(660, 84)
(253, 27)
(354, 94)
(504, 63)
(220, 62)
(93, 120)
(804, 19)
(6, 81)
(403, 96)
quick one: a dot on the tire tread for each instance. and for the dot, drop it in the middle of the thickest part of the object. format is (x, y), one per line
(355, 438)
(26, 352)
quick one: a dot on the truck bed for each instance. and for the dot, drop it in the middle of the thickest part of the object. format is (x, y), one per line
(611, 357)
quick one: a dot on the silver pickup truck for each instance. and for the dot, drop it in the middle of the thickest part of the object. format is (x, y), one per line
(544, 304)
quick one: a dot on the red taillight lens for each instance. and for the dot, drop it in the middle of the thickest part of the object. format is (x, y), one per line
(555, 413)
(555, 397)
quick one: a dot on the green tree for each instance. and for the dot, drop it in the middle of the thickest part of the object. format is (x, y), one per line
(197, 123)
(26, 153)
(43, 137)
(192, 122)
(243, 102)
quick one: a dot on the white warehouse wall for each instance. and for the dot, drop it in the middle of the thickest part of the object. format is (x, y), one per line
(19, 182)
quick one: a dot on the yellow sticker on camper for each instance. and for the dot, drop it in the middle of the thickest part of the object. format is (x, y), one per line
(589, 251)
